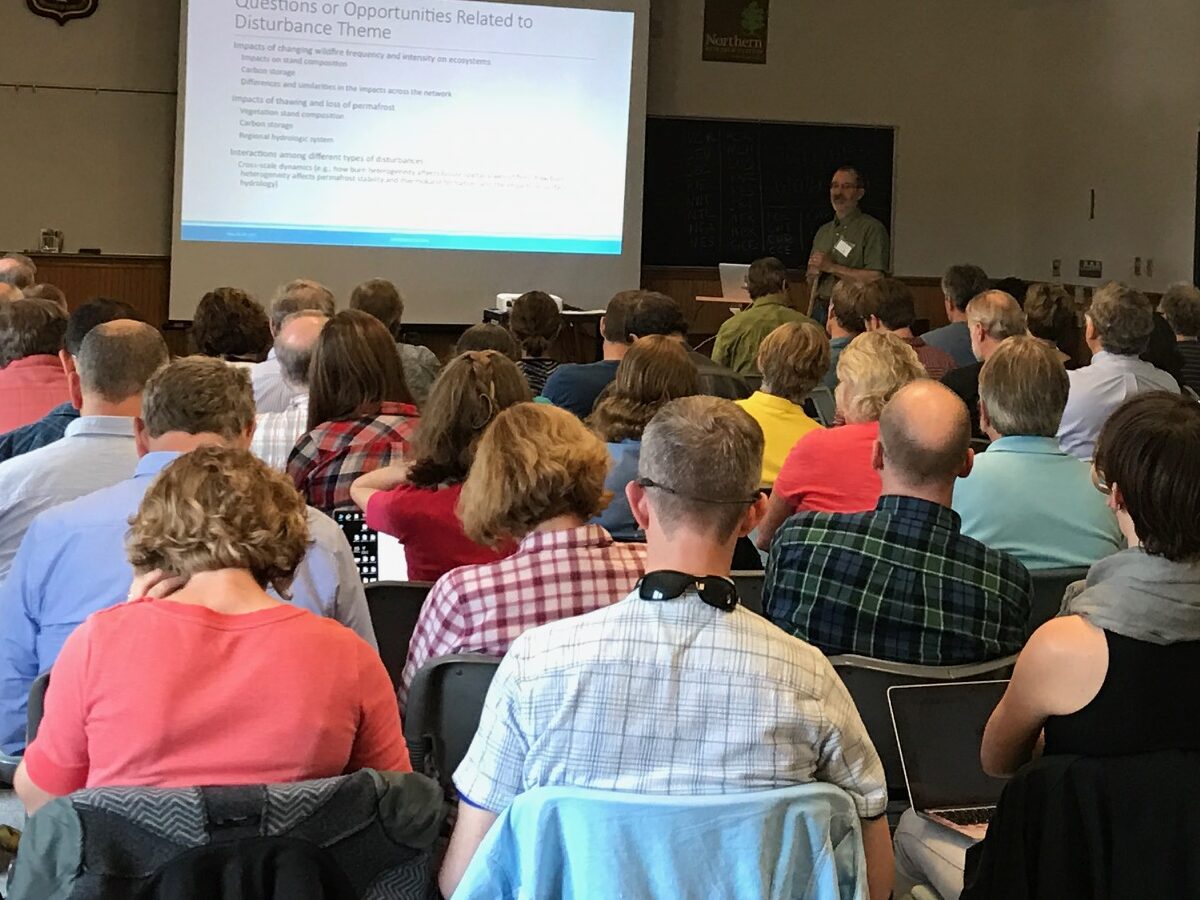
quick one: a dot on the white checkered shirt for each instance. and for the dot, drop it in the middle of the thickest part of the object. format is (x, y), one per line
(667, 697)
(276, 433)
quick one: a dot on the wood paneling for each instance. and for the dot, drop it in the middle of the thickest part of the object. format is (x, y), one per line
(141, 281)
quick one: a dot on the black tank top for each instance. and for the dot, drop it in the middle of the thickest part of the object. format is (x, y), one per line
(1149, 701)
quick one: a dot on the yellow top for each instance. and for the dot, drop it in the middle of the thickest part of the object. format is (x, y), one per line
(783, 423)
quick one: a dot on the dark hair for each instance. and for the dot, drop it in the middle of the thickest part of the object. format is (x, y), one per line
(95, 312)
(488, 336)
(30, 327)
(1162, 349)
(893, 303)
(963, 283)
(1150, 449)
(535, 321)
(355, 369)
(1013, 286)
(229, 324)
(379, 298)
(50, 292)
(654, 313)
(1180, 306)
(615, 316)
(766, 276)
(1050, 315)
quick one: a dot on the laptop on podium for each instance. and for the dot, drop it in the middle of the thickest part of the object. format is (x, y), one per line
(733, 281)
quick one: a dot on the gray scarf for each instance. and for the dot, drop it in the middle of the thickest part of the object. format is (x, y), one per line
(1147, 598)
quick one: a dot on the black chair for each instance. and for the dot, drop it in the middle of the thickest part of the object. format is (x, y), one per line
(750, 589)
(980, 445)
(755, 381)
(1049, 585)
(395, 607)
(35, 709)
(821, 405)
(445, 702)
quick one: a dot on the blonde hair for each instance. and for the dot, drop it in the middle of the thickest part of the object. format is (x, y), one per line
(656, 369)
(792, 359)
(870, 370)
(220, 508)
(534, 462)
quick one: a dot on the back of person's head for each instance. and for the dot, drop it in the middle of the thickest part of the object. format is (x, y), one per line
(925, 436)
(199, 395)
(1122, 317)
(852, 305)
(117, 358)
(535, 321)
(30, 328)
(793, 359)
(1180, 306)
(294, 344)
(700, 464)
(893, 303)
(468, 394)
(1023, 388)
(299, 295)
(654, 313)
(488, 336)
(999, 314)
(656, 369)
(1015, 287)
(613, 324)
(94, 312)
(962, 283)
(229, 324)
(47, 292)
(766, 276)
(355, 368)
(17, 270)
(872, 368)
(9, 293)
(1148, 454)
(535, 462)
(380, 298)
(220, 508)
(1050, 315)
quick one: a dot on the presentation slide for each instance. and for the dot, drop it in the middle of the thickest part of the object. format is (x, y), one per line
(451, 125)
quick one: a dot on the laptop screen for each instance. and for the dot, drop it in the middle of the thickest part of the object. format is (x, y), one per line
(380, 557)
(939, 728)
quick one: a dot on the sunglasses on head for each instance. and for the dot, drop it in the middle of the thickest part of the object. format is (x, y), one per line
(667, 584)
(741, 501)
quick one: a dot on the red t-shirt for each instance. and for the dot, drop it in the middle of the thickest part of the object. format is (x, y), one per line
(164, 694)
(830, 470)
(425, 522)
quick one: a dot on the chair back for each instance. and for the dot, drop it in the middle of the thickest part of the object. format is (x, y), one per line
(750, 589)
(821, 405)
(1049, 585)
(395, 607)
(754, 380)
(445, 702)
(35, 709)
(868, 681)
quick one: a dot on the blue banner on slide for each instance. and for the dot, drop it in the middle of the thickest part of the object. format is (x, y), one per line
(268, 234)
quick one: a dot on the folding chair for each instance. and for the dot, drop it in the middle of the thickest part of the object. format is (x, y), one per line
(395, 607)
(1049, 585)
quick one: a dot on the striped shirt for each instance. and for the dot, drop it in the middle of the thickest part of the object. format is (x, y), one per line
(536, 370)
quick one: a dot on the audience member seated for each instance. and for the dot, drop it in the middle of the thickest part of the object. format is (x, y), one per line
(537, 478)
(895, 310)
(272, 393)
(1162, 350)
(992, 318)
(960, 285)
(831, 470)
(576, 387)
(381, 299)
(1111, 676)
(535, 322)
(1118, 327)
(8, 293)
(655, 370)
(229, 324)
(219, 683)
(674, 689)
(848, 313)
(98, 449)
(1051, 316)
(488, 336)
(1180, 306)
(48, 292)
(738, 338)
(360, 414)
(32, 381)
(902, 582)
(71, 562)
(417, 502)
(1025, 496)
(277, 432)
(17, 270)
(792, 360)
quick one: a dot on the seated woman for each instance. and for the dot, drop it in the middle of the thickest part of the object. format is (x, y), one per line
(792, 359)
(360, 414)
(1050, 316)
(215, 683)
(830, 470)
(416, 502)
(537, 478)
(656, 369)
(535, 321)
(230, 325)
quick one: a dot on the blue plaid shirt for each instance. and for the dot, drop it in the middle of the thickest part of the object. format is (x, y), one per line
(46, 430)
(900, 583)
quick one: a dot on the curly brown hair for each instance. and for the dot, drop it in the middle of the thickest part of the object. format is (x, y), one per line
(655, 370)
(229, 324)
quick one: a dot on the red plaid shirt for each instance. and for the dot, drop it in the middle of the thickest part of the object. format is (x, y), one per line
(326, 461)
(553, 575)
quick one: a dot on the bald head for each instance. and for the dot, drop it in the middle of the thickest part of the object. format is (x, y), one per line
(17, 270)
(925, 438)
(295, 342)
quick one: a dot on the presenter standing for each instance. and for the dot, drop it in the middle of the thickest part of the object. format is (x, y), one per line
(853, 246)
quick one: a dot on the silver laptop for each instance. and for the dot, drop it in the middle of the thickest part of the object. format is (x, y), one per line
(939, 730)
(733, 281)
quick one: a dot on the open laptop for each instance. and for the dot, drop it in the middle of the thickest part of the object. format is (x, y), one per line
(379, 557)
(939, 729)
(733, 281)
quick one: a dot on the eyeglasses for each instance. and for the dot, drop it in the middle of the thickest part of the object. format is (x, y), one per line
(651, 483)
(1099, 482)
(667, 584)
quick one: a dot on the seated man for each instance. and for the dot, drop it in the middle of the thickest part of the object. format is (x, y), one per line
(895, 310)
(73, 563)
(1025, 496)
(576, 387)
(960, 285)
(277, 432)
(31, 380)
(1180, 306)
(901, 582)
(381, 299)
(738, 338)
(847, 315)
(668, 691)
(272, 394)
(992, 317)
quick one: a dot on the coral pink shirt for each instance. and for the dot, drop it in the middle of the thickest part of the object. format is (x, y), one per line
(30, 388)
(166, 694)
(830, 470)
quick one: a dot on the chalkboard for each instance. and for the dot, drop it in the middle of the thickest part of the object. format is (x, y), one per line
(720, 190)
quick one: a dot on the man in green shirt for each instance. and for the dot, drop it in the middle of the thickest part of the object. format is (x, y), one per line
(738, 338)
(853, 246)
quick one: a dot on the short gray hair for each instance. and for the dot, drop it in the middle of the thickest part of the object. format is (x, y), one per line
(999, 314)
(294, 362)
(116, 359)
(1180, 306)
(1024, 386)
(1123, 319)
(30, 327)
(20, 273)
(298, 295)
(197, 395)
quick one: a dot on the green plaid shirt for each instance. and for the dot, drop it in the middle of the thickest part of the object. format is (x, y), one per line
(900, 583)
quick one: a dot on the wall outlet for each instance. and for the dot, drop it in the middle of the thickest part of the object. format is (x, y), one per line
(1056, 268)
(1091, 268)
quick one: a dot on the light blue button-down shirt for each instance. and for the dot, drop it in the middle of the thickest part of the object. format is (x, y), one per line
(1097, 390)
(72, 563)
(1027, 497)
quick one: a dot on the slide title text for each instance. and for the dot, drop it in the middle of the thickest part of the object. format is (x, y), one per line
(361, 20)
